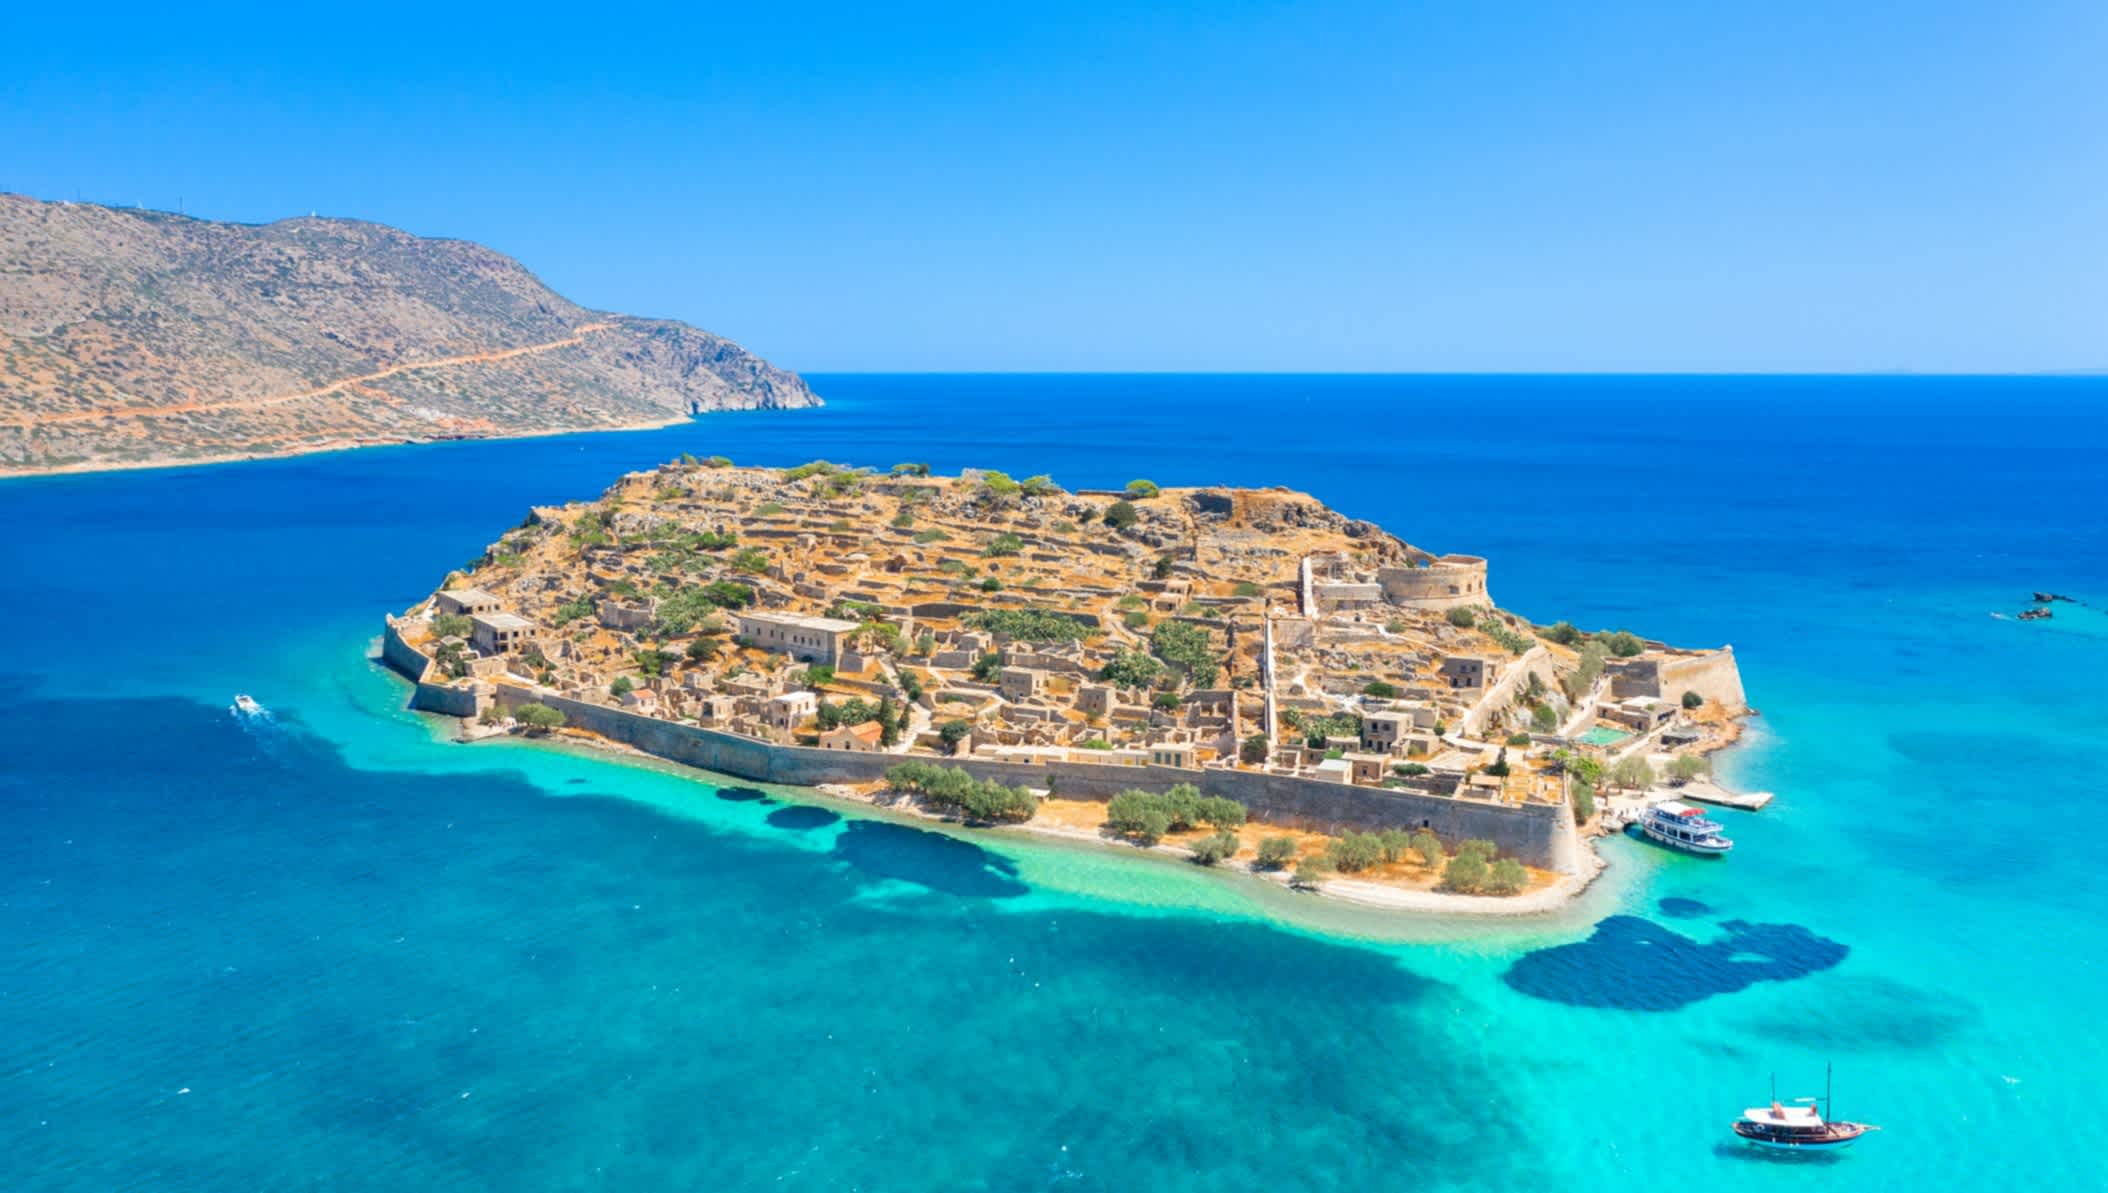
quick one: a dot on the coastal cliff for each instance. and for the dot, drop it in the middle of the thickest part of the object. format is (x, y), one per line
(133, 338)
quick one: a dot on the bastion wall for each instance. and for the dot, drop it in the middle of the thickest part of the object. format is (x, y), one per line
(1444, 583)
(1712, 674)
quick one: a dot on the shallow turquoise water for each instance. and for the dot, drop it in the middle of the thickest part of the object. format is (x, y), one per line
(339, 953)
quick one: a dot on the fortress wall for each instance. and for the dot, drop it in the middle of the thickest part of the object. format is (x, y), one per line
(1531, 832)
(1712, 674)
(1538, 834)
(1447, 582)
(405, 659)
(413, 665)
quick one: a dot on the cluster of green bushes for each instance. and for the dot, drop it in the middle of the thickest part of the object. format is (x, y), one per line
(1475, 870)
(691, 608)
(537, 719)
(1131, 669)
(1142, 490)
(951, 790)
(1003, 544)
(451, 625)
(892, 717)
(1500, 631)
(1462, 616)
(1120, 515)
(1028, 625)
(1186, 647)
(1147, 815)
(1316, 729)
(653, 662)
(1586, 672)
(573, 609)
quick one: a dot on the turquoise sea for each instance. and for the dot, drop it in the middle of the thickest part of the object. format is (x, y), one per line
(336, 952)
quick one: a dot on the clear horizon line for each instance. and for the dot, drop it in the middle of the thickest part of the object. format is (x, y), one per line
(1769, 373)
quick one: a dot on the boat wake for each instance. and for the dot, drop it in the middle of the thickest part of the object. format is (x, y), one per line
(246, 710)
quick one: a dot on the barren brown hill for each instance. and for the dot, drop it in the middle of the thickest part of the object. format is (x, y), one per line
(137, 337)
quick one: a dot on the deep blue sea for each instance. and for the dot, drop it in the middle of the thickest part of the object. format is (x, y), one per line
(336, 952)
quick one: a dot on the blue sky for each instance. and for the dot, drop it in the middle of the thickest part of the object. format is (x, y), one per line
(1470, 186)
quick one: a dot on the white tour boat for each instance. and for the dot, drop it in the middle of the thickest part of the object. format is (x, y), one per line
(1681, 826)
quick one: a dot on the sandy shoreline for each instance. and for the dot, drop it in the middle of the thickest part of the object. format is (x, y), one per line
(344, 445)
(1545, 900)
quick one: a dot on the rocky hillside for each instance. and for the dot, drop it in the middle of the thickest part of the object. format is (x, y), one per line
(138, 337)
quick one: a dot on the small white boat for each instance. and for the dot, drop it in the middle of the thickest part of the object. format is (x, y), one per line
(245, 705)
(1681, 826)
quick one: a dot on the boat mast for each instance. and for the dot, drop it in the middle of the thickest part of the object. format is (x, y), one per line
(1829, 1110)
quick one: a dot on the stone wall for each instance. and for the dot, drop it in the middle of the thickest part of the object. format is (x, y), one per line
(1712, 674)
(1540, 834)
(412, 664)
(1505, 689)
(1444, 583)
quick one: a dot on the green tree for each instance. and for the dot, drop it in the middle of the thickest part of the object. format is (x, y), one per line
(1499, 769)
(1138, 814)
(1693, 700)
(1379, 689)
(1632, 772)
(622, 686)
(1120, 515)
(1254, 750)
(891, 718)
(917, 469)
(1687, 767)
(1214, 847)
(451, 625)
(988, 668)
(1429, 847)
(1625, 644)
(1220, 812)
(1543, 719)
(1563, 632)
(819, 675)
(952, 732)
(1130, 669)
(1038, 486)
(1482, 849)
(1005, 543)
(1185, 646)
(1584, 802)
(1310, 871)
(1355, 852)
(1507, 877)
(1466, 873)
(538, 719)
(1141, 489)
(1275, 852)
(1395, 843)
(703, 650)
(1462, 617)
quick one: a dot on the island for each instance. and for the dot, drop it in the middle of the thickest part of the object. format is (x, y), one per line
(132, 338)
(1243, 677)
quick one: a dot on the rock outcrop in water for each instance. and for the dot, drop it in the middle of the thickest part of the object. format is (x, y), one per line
(138, 337)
